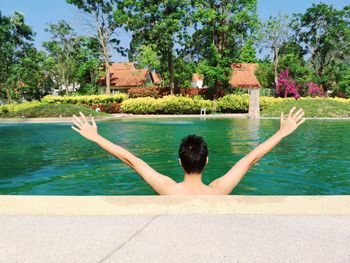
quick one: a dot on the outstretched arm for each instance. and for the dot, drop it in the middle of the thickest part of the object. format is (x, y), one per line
(226, 183)
(157, 181)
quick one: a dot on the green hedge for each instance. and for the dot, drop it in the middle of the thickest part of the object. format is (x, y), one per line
(38, 109)
(88, 100)
(166, 105)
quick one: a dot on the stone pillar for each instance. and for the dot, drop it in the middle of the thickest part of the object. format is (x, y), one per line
(254, 106)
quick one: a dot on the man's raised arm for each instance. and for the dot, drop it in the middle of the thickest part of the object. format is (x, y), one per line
(156, 180)
(226, 183)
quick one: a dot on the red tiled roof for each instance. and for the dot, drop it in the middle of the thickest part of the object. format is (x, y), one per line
(196, 77)
(156, 78)
(243, 75)
(125, 74)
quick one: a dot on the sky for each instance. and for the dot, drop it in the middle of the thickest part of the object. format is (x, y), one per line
(38, 13)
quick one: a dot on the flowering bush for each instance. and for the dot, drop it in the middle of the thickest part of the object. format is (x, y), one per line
(314, 90)
(287, 86)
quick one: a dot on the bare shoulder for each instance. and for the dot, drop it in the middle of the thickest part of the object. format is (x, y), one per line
(181, 189)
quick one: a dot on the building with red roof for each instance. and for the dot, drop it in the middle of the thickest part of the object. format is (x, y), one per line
(125, 75)
(243, 76)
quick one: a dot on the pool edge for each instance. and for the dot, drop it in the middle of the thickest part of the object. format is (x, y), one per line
(167, 205)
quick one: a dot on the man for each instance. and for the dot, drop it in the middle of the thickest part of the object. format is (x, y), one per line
(193, 155)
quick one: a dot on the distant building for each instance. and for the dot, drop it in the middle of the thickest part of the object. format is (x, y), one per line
(124, 75)
(243, 76)
(197, 80)
(62, 89)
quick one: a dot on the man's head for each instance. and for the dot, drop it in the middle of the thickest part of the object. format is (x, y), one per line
(193, 154)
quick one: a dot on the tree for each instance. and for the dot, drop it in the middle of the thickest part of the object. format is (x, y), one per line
(160, 24)
(100, 18)
(272, 35)
(147, 57)
(325, 33)
(89, 61)
(62, 49)
(223, 31)
(15, 41)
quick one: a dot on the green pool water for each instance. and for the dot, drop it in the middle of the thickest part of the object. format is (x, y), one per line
(51, 159)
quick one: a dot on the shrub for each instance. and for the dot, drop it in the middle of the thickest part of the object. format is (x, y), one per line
(204, 92)
(36, 110)
(233, 103)
(184, 105)
(314, 90)
(108, 108)
(146, 105)
(144, 92)
(88, 100)
(287, 86)
(166, 105)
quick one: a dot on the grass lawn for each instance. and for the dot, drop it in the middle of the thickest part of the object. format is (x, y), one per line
(313, 107)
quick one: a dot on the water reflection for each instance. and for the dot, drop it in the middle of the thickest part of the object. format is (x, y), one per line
(51, 159)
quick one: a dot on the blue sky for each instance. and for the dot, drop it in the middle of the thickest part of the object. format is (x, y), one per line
(39, 12)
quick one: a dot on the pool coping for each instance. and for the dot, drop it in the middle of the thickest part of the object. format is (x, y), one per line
(167, 205)
(150, 116)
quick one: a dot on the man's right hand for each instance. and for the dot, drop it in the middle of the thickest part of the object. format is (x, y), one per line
(293, 121)
(84, 128)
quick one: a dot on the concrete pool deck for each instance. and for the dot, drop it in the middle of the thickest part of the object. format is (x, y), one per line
(175, 229)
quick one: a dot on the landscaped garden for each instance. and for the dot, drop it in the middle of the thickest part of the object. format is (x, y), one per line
(102, 105)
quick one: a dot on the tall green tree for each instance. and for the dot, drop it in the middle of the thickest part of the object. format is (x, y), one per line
(223, 30)
(89, 63)
(15, 40)
(161, 24)
(272, 35)
(62, 49)
(325, 33)
(100, 20)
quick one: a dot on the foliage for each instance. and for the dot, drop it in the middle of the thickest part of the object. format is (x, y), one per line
(62, 49)
(99, 16)
(88, 100)
(272, 35)
(37, 109)
(166, 105)
(147, 57)
(223, 31)
(287, 86)
(314, 90)
(108, 107)
(144, 92)
(15, 43)
(205, 93)
(162, 26)
(233, 103)
(265, 75)
(325, 33)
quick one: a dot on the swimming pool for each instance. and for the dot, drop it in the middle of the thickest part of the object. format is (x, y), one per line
(51, 159)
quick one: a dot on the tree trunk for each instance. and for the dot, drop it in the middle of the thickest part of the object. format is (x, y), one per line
(108, 79)
(171, 72)
(275, 64)
(8, 94)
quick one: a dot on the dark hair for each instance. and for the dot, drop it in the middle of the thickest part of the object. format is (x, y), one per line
(193, 153)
